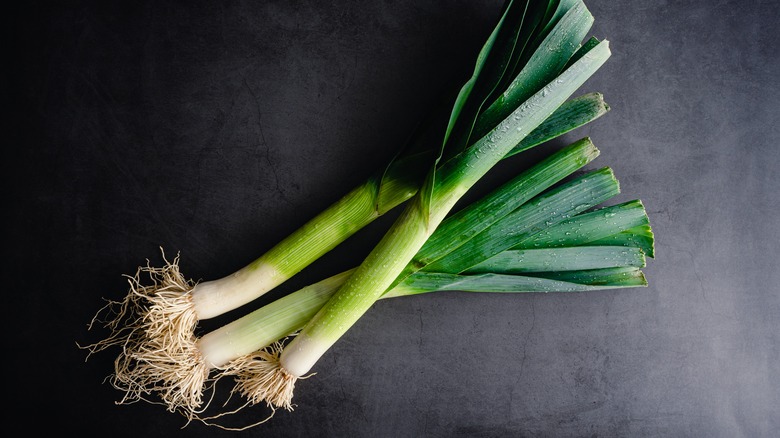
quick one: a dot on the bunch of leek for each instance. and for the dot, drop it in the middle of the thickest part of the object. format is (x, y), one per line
(516, 99)
(532, 43)
(532, 234)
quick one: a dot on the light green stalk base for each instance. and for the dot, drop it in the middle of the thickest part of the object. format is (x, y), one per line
(321, 234)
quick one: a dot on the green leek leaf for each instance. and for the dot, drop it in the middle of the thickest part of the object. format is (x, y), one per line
(612, 277)
(640, 237)
(437, 282)
(588, 227)
(571, 115)
(536, 216)
(576, 258)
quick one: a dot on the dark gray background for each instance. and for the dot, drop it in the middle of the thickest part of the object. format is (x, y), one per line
(215, 129)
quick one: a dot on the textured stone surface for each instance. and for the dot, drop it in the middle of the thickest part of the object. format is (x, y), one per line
(216, 129)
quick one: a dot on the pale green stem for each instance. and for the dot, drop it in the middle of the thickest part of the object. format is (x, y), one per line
(318, 236)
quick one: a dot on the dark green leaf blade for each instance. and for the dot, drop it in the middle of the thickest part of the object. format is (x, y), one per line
(641, 237)
(588, 227)
(616, 277)
(483, 213)
(543, 66)
(576, 258)
(533, 217)
(424, 282)
(569, 116)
